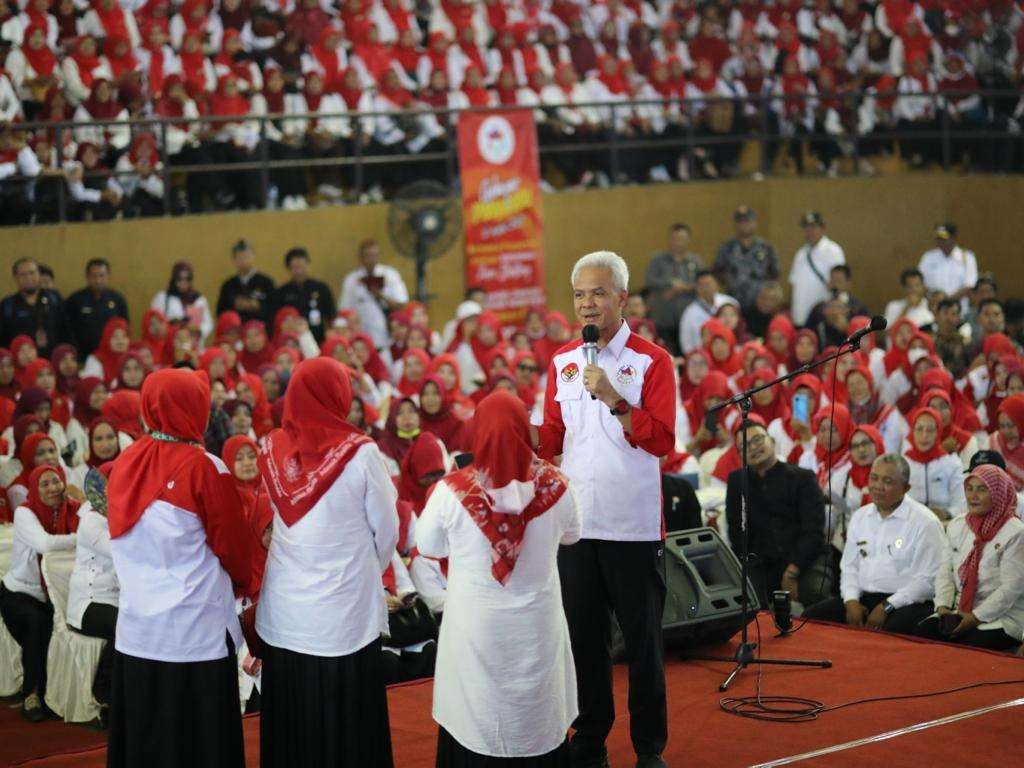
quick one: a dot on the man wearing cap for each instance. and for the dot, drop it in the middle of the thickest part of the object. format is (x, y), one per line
(812, 264)
(670, 280)
(893, 551)
(949, 268)
(747, 261)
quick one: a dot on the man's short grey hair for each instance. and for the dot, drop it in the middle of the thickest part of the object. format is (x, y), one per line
(899, 461)
(605, 260)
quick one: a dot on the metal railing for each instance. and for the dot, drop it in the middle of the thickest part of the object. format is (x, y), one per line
(755, 118)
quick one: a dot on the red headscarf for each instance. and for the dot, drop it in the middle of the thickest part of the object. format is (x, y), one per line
(303, 459)
(501, 454)
(859, 474)
(778, 408)
(446, 425)
(96, 461)
(962, 436)
(424, 457)
(964, 414)
(59, 520)
(1003, 494)
(686, 386)
(405, 385)
(481, 350)
(176, 404)
(223, 105)
(262, 416)
(374, 365)
(715, 384)
(229, 452)
(155, 344)
(253, 360)
(84, 412)
(108, 357)
(86, 62)
(935, 452)
(1013, 407)
(480, 96)
(124, 408)
(125, 62)
(27, 456)
(719, 330)
(843, 426)
(19, 341)
(896, 357)
(42, 59)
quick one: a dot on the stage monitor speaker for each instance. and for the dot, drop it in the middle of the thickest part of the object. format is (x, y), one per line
(704, 601)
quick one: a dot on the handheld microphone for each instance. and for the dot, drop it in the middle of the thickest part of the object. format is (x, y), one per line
(878, 323)
(590, 335)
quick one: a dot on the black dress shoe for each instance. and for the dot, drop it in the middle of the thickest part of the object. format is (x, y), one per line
(650, 761)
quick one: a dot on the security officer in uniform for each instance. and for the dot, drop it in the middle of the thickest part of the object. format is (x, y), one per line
(745, 262)
(311, 297)
(89, 309)
(32, 311)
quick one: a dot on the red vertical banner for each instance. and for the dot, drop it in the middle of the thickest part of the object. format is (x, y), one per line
(500, 169)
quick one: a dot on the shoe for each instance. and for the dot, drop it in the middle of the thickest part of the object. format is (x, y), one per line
(586, 756)
(32, 709)
(650, 761)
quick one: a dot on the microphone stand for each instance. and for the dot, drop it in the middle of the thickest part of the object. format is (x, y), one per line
(746, 654)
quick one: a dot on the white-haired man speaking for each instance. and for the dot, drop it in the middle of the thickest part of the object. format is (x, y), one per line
(611, 422)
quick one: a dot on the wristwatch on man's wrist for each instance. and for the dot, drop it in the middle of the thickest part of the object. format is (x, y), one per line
(888, 607)
(621, 407)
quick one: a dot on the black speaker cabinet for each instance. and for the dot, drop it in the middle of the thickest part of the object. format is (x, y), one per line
(704, 602)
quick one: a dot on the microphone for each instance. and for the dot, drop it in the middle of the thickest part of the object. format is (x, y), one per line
(590, 334)
(878, 323)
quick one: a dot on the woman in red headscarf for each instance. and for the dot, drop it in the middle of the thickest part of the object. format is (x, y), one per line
(521, 506)
(698, 363)
(850, 483)
(41, 374)
(780, 337)
(700, 436)
(179, 541)
(953, 439)
(123, 409)
(936, 476)
(866, 408)
(978, 580)
(36, 449)
(558, 332)
(334, 515)
(437, 416)
(414, 367)
(45, 522)
(240, 453)
(446, 368)
(9, 384)
(424, 464)
(114, 342)
(720, 342)
(769, 404)
(1008, 437)
(829, 450)
(24, 351)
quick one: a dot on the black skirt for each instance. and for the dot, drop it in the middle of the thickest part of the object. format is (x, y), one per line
(168, 714)
(324, 712)
(451, 754)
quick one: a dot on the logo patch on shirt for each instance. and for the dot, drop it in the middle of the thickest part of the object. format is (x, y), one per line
(626, 374)
(570, 372)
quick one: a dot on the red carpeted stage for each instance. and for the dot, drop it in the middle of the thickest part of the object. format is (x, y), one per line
(978, 727)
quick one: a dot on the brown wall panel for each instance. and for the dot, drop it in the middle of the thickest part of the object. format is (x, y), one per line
(884, 225)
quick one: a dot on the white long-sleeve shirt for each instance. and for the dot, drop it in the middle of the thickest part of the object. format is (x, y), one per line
(175, 310)
(949, 273)
(809, 275)
(30, 541)
(93, 579)
(322, 591)
(519, 702)
(999, 600)
(939, 483)
(898, 555)
(356, 295)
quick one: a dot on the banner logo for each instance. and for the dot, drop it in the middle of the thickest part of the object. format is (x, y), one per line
(496, 140)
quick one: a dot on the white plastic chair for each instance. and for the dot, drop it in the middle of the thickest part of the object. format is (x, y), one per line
(10, 651)
(73, 657)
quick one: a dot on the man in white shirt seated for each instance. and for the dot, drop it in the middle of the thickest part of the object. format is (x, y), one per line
(701, 309)
(812, 264)
(914, 304)
(373, 290)
(949, 268)
(893, 551)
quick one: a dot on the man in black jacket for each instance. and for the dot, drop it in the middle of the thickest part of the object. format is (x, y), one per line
(785, 514)
(32, 311)
(89, 309)
(311, 297)
(248, 292)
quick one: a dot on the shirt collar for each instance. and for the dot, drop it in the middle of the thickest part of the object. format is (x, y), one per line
(901, 512)
(618, 341)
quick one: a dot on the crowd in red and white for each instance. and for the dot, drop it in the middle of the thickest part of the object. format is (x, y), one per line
(825, 68)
